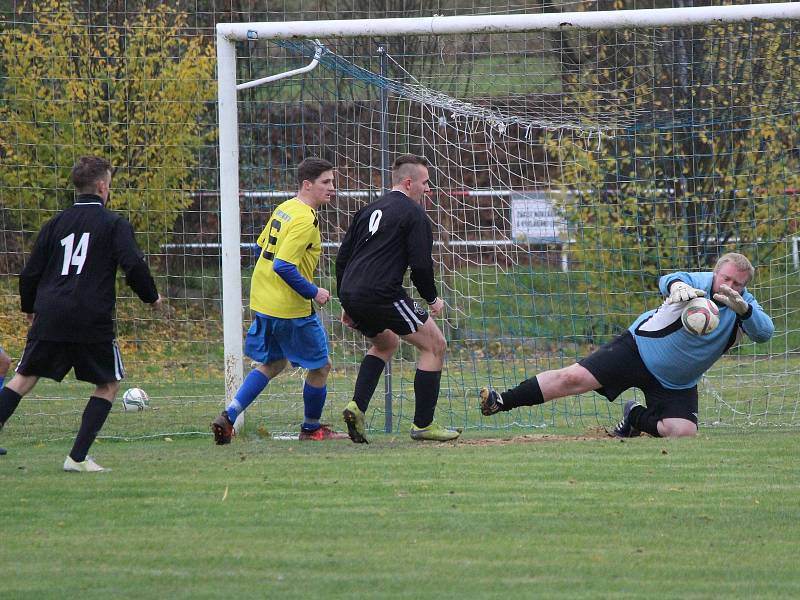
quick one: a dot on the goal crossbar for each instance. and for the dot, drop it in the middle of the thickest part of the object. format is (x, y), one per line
(515, 23)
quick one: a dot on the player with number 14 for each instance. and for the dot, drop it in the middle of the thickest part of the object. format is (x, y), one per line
(68, 292)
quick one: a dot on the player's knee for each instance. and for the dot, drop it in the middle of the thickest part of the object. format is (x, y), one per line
(571, 380)
(5, 363)
(386, 344)
(318, 377)
(324, 370)
(674, 428)
(108, 391)
(439, 346)
(273, 369)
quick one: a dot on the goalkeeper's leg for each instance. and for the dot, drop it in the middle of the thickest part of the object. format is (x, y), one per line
(645, 419)
(545, 386)
(669, 413)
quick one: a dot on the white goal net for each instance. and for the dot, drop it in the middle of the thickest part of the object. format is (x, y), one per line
(572, 168)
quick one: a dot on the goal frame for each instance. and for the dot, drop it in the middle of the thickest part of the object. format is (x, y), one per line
(230, 33)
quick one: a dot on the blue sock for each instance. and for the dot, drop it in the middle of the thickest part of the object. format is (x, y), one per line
(253, 385)
(314, 401)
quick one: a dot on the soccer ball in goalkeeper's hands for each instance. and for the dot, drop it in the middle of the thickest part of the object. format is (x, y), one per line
(700, 316)
(135, 399)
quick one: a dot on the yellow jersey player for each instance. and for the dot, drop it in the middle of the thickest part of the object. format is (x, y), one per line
(282, 294)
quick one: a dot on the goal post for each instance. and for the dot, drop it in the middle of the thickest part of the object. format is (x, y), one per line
(590, 161)
(230, 226)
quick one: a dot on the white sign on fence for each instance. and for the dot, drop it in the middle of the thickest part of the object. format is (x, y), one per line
(534, 218)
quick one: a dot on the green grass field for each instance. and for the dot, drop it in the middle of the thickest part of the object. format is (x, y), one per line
(557, 511)
(711, 517)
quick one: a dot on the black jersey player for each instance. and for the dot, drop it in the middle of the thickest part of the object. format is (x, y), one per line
(68, 292)
(383, 241)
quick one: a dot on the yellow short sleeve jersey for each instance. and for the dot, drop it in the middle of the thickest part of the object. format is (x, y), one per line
(291, 235)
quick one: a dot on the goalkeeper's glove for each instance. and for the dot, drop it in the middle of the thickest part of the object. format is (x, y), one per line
(732, 299)
(681, 292)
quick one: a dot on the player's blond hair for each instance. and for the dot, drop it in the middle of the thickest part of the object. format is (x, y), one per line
(739, 261)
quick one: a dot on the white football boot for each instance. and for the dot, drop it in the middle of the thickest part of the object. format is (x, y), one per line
(87, 466)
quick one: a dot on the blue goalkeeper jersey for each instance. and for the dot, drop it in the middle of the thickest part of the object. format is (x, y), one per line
(677, 358)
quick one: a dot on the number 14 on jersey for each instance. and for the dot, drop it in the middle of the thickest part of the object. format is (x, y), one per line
(77, 256)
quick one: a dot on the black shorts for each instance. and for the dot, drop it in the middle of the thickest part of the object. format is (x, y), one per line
(403, 316)
(96, 362)
(618, 366)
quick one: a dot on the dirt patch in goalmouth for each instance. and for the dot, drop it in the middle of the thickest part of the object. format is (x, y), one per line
(591, 434)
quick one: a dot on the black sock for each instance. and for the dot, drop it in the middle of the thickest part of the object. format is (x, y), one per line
(426, 394)
(9, 400)
(368, 375)
(644, 419)
(526, 393)
(94, 415)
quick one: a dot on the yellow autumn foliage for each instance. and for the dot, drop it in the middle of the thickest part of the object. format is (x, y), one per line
(136, 94)
(709, 165)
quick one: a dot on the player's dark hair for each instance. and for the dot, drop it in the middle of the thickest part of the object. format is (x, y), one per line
(311, 168)
(410, 159)
(404, 166)
(87, 172)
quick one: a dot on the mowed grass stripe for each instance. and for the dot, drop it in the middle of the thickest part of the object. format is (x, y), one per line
(712, 517)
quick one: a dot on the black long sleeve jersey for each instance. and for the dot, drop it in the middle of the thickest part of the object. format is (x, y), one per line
(384, 239)
(69, 280)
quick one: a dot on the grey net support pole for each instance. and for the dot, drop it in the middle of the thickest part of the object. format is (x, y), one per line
(384, 98)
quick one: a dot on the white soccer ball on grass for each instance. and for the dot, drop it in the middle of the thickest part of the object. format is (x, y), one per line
(135, 399)
(700, 316)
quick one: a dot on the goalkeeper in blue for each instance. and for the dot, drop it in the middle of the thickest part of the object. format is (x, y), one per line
(656, 354)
